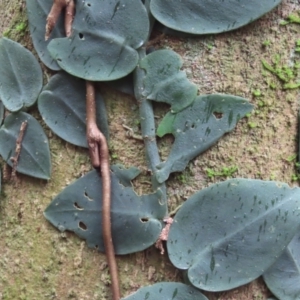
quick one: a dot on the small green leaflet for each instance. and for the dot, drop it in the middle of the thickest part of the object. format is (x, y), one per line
(1, 112)
(63, 108)
(21, 76)
(283, 277)
(167, 291)
(37, 11)
(164, 82)
(34, 159)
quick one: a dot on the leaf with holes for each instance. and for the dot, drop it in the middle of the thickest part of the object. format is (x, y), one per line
(136, 220)
(34, 159)
(164, 82)
(63, 108)
(231, 232)
(37, 11)
(283, 277)
(21, 76)
(207, 16)
(198, 127)
(105, 54)
(167, 291)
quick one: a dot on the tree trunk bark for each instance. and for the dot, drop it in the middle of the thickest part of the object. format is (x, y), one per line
(38, 262)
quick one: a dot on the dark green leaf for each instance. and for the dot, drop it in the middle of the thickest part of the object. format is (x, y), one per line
(207, 16)
(123, 85)
(298, 163)
(37, 11)
(164, 82)
(21, 76)
(1, 112)
(231, 232)
(62, 105)
(167, 291)
(125, 175)
(168, 31)
(283, 277)
(103, 41)
(34, 157)
(136, 220)
(198, 127)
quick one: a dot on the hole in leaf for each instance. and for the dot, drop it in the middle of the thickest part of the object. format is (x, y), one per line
(77, 206)
(82, 226)
(193, 125)
(218, 115)
(96, 247)
(81, 36)
(89, 4)
(144, 220)
(87, 196)
(58, 59)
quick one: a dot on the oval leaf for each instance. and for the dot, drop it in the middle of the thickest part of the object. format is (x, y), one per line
(102, 45)
(164, 82)
(198, 127)
(231, 232)
(207, 16)
(21, 76)
(167, 291)
(284, 275)
(62, 105)
(37, 11)
(136, 220)
(34, 159)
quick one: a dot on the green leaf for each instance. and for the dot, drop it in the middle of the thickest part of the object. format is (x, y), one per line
(1, 112)
(125, 175)
(231, 232)
(37, 11)
(283, 277)
(62, 105)
(136, 220)
(103, 41)
(34, 159)
(123, 85)
(198, 127)
(21, 76)
(206, 16)
(164, 82)
(168, 31)
(167, 291)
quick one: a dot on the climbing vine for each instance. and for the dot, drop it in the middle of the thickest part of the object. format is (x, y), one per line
(239, 217)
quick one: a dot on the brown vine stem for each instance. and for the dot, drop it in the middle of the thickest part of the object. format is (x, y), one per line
(97, 143)
(100, 158)
(15, 159)
(56, 9)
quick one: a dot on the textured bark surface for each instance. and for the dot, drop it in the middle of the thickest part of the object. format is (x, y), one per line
(38, 262)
